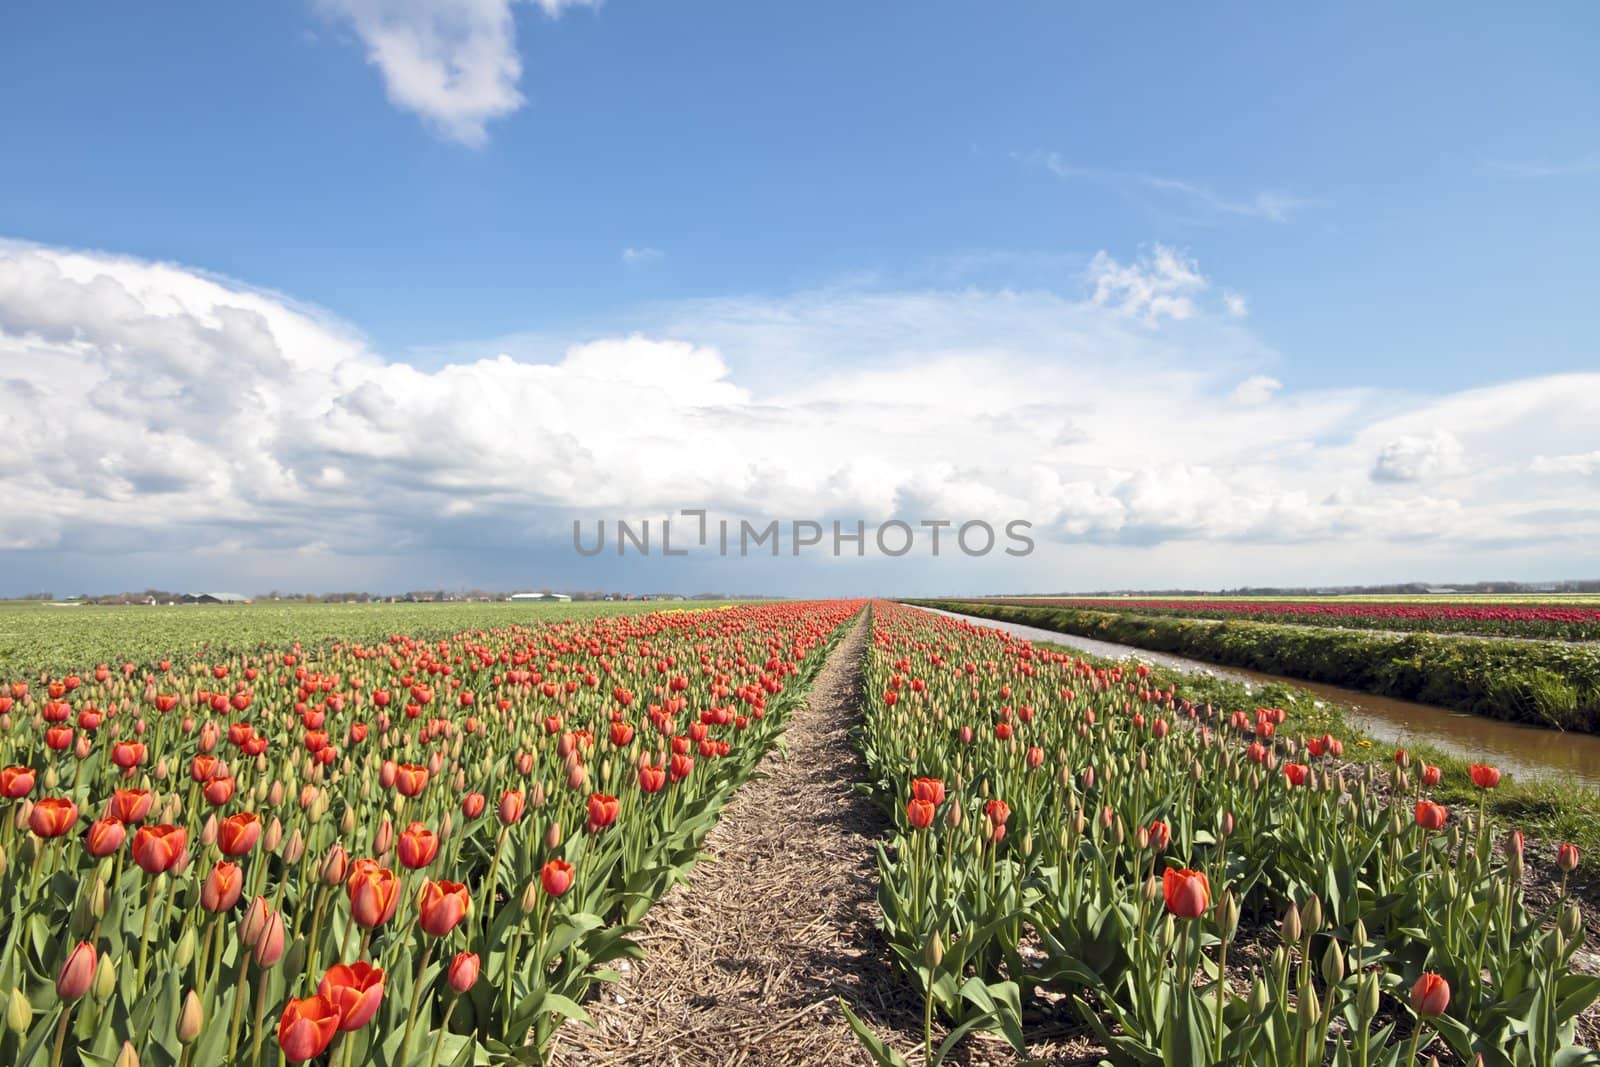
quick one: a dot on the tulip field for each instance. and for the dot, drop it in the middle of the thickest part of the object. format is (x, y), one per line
(1191, 884)
(395, 852)
(1573, 618)
(415, 851)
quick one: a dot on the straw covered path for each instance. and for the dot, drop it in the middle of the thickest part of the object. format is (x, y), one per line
(744, 963)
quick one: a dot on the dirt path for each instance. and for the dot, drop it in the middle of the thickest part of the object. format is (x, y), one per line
(745, 962)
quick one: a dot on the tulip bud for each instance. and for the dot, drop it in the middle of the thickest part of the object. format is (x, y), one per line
(933, 952)
(1367, 998)
(19, 1013)
(185, 950)
(98, 898)
(1310, 1010)
(1258, 996)
(294, 848)
(530, 898)
(1571, 922)
(1227, 914)
(268, 949)
(128, 1057)
(552, 836)
(1151, 888)
(191, 1020)
(77, 972)
(1333, 963)
(255, 917)
(294, 961)
(1311, 915)
(1290, 928)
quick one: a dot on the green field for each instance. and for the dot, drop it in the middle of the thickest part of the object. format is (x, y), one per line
(37, 638)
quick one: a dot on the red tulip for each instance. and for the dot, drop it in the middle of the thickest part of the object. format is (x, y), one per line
(463, 973)
(159, 848)
(998, 812)
(511, 806)
(652, 778)
(1430, 775)
(418, 846)
(929, 789)
(374, 893)
(556, 877)
(603, 810)
(52, 816)
(129, 805)
(105, 837)
(442, 907)
(16, 782)
(306, 1027)
(238, 834)
(472, 805)
(920, 813)
(221, 888)
(1187, 893)
(410, 779)
(1296, 773)
(219, 790)
(1567, 858)
(128, 754)
(1485, 777)
(77, 972)
(1430, 995)
(1431, 816)
(356, 989)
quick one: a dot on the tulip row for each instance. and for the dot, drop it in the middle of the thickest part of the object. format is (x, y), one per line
(1556, 620)
(403, 853)
(1083, 829)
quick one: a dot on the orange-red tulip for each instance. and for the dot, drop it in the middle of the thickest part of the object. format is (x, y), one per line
(1485, 777)
(418, 846)
(105, 836)
(238, 834)
(556, 877)
(1187, 893)
(77, 972)
(374, 893)
(356, 989)
(159, 848)
(52, 816)
(463, 974)
(306, 1027)
(1431, 816)
(442, 907)
(222, 887)
(1430, 995)
(16, 782)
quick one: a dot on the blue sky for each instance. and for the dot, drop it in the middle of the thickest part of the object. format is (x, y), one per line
(1373, 208)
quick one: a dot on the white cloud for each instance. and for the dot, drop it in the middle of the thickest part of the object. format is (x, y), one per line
(1161, 283)
(635, 256)
(149, 408)
(1584, 463)
(453, 62)
(1235, 304)
(1256, 389)
(1270, 205)
(1415, 458)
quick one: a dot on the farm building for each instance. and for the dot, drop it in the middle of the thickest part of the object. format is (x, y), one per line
(536, 597)
(214, 598)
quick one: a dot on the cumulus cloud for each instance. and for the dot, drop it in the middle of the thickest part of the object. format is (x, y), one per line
(150, 408)
(1161, 283)
(1417, 458)
(1256, 389)
(1235, 304)
(453, 62)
